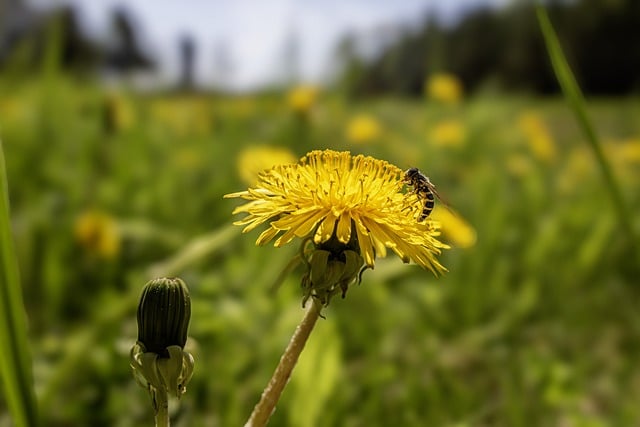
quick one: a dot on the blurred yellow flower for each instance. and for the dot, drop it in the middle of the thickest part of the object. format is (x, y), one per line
(302, 98)
(362, 129)
(331, 195)
(454, 228)
(14, 111)
(445, 88)
(255, 159)
(186, 116)
(630, 150)
(624, 155)
(98, 234)
(448, 133)
(623, 152)
(538, 137)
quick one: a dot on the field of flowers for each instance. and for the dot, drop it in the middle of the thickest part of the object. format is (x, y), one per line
(535, 323)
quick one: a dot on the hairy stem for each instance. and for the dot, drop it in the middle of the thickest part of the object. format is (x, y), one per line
(271, 394)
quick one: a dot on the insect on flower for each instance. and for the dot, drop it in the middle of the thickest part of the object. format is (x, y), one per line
(330, 197)
(424, 189)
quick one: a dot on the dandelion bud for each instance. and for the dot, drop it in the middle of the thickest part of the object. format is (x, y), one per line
(158, 359)
(332, 267)
(163, 314)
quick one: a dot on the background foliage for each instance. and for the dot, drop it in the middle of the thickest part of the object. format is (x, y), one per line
(537, 323)
(504, 49)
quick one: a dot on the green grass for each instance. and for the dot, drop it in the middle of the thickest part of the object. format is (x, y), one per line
(537, 324)
(15, 363)
(575, 99)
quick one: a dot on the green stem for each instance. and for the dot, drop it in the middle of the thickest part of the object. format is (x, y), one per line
(271, 394)
(15, 363)
(574, 97)
(162, 408)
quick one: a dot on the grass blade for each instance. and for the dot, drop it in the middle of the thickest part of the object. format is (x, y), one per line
(575, 99)
(15, 360)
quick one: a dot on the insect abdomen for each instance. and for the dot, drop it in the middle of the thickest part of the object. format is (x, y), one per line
(428, 205)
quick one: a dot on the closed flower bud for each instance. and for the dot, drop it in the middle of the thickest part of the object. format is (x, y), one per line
(158, 359)
(163, 315)
(331, 267)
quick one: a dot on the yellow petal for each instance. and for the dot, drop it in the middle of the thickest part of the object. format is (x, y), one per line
(344, 228)
(325, 230)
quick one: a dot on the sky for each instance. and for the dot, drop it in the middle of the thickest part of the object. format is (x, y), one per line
(250, 36)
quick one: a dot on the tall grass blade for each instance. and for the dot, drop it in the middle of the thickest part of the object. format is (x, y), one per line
(575, 99)
(15, 360)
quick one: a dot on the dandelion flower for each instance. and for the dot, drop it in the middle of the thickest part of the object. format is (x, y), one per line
(347, 210)
(537, 136)
(449, 133)
(334, 197)
(362, 129)
(98, 233)
(445, 88)
(454, 228)
(255, 159)
(302, 98)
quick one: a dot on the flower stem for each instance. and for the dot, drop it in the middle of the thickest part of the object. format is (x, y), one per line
(162, 408)
(271, 394)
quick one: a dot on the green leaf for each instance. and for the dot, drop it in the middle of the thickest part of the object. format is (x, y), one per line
(575, 99)
(15, 361)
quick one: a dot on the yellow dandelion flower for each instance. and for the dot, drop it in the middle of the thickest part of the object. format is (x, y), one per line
(624, 152)
(98, 233)
(454, 228)
(445, 88)
(302, 98)
(630, 150)
(255, 159)
(352, 199)
(362, 129)
(538, 137)
(624, 155)
(449, 133)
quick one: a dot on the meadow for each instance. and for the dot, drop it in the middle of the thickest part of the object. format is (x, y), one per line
(535, 323)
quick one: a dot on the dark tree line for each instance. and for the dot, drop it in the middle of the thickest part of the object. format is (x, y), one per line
(25, 36)
(504, 48)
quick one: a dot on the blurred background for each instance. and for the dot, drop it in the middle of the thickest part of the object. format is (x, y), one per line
(124, 124)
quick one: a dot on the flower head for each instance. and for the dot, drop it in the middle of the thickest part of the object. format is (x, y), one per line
(449, 133)
(537, 136)
(455, 229)
(97, 232)
(302, 98)
(334, 198)
(362, 129)
(444, 88)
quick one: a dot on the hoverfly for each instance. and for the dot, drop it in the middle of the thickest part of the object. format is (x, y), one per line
(423, 188)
